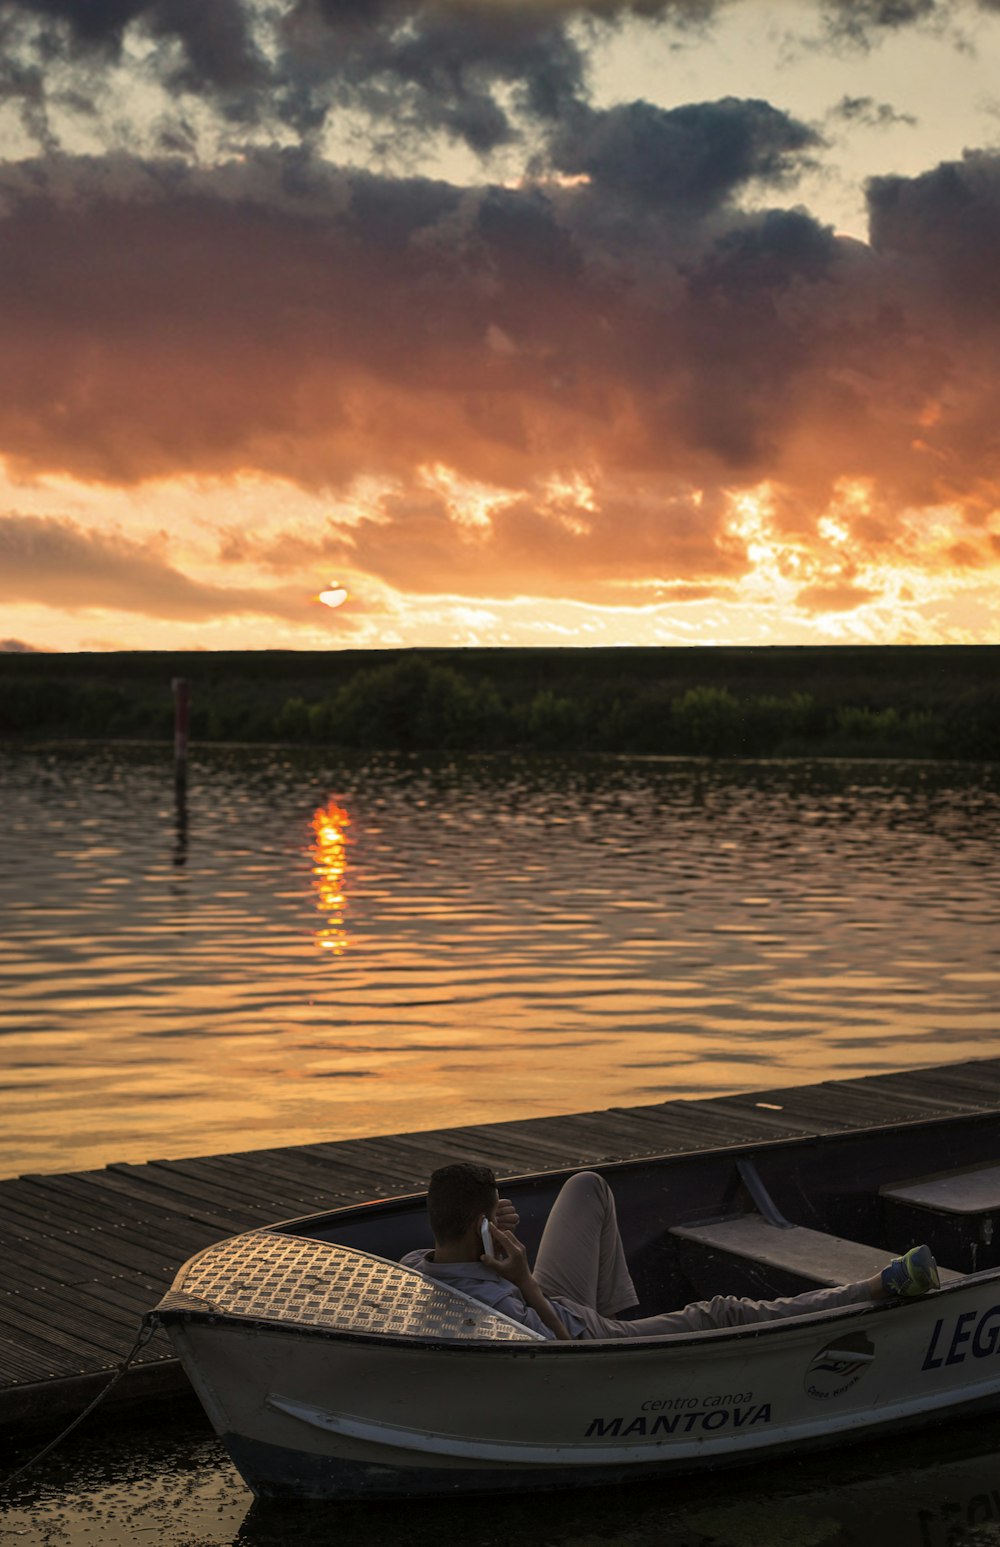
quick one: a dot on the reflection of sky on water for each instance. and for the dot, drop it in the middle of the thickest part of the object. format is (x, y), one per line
(525, 937)
(174, 1485)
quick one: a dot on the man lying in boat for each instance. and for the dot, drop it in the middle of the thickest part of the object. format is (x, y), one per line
(581, 1284)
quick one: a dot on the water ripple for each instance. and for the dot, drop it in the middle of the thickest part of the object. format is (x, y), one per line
(324, 947)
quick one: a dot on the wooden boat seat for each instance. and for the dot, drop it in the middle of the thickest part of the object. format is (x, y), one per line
(958, 1192)
(959, 1210)
(809, 1254)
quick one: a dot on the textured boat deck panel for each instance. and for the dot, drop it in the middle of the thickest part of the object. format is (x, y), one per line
(319, 1284)
(82, 1255)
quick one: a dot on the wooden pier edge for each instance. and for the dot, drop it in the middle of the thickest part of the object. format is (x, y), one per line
(52, 1402)
(84, 1254)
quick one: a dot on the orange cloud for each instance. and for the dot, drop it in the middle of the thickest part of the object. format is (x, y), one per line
(834, 598)
(594, 370)
(61, 564)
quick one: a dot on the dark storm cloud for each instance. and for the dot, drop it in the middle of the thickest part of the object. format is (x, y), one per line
(214, 35)
(869, 113)
(281, 293)
(481, 72)
(692, 157)
(864, 23)
(949, 218)
(754, 348)
(429, 67)
(470, 71)
(490, 305)
(24, 83)
(860, 20)
(57, 563)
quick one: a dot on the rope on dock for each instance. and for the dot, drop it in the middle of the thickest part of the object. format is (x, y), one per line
(147, 1327)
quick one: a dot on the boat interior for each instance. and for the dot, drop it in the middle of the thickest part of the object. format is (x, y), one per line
(760, 1219)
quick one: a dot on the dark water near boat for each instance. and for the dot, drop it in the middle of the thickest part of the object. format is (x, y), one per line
(177, 1488)
(320, 948)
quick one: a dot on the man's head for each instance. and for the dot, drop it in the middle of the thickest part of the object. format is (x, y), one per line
(457, 1197)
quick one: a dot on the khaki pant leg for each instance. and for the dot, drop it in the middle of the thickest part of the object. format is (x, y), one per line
(581, 1257)
(722, 1311)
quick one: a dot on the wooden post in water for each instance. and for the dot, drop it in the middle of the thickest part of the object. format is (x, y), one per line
(182, 712)
(182, 715)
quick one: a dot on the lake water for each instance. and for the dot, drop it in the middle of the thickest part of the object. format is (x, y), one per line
(319, 948)
(171, 1483)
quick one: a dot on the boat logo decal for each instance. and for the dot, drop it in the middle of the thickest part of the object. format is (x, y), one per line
(839, 1366)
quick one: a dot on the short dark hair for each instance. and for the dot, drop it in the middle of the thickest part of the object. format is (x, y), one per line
(458, 1194)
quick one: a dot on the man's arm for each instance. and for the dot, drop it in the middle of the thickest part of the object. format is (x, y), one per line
(514, 1268)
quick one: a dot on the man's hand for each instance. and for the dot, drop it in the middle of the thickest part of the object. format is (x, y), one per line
(512, 1264)
(507, 1216)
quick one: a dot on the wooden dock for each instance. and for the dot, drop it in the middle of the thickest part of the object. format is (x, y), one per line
(84, 1254)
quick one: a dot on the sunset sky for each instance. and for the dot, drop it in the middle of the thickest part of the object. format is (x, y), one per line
(524, 322)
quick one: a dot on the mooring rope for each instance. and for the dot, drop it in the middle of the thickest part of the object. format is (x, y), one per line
(146, 1329)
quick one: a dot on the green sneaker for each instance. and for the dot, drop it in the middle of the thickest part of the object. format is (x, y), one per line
(912, 1275)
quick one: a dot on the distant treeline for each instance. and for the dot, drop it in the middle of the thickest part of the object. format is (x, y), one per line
(779, 702)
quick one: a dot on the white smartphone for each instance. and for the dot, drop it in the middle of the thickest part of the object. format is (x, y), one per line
(484, 1231)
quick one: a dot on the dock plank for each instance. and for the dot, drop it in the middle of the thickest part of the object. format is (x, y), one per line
(676, 1131)
(107, 1300)
(544, 1147)
(100, 1218)
(273, 1188)
(272, 1181)
(103, 1246)
(16, 1366)
(175, 1184)
(297, 1170)
(62, 1318)
(512, 1153)
(72, 1267)
(152, 1204)
(367, 1181)
(76, 1352)
(422, 1152)
(83, 1253)
(218, 1179)
(765, 1125)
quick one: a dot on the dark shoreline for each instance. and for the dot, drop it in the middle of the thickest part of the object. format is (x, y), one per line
(778, 701)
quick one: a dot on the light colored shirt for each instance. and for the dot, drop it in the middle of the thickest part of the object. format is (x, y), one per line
(489, 1286)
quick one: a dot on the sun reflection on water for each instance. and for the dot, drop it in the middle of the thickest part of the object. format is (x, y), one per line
(329, 855)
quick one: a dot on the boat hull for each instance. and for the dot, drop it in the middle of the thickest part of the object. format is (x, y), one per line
(309, 1414)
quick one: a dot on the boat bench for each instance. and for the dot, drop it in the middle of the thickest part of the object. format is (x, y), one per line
(782, 1252)
(959, 1211)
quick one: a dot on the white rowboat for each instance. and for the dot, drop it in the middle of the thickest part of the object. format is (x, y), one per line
(331, 1371)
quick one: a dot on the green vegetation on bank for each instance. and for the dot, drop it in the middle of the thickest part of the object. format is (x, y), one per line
(842, 701)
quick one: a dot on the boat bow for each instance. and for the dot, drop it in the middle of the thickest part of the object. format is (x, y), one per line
(264, 1275)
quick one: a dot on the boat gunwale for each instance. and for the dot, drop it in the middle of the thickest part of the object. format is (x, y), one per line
(682, 1341)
